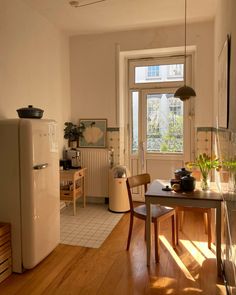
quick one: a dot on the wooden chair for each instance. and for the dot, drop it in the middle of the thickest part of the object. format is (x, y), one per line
(159, 213)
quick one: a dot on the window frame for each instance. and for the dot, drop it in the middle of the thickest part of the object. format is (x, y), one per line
(133, 63)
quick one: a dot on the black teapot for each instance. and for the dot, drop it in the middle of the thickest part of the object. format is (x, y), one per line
(181, 173)
(188, 183)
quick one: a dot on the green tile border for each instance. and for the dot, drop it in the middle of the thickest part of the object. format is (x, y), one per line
(206, 129)
(113, 128)
(212, 129)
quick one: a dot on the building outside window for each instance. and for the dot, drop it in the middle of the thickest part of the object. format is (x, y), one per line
(153, 71)
(159, 73)
(164, 123)
(175, 70)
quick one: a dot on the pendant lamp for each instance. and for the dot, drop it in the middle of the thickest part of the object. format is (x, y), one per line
(185, 92)
(76, 3)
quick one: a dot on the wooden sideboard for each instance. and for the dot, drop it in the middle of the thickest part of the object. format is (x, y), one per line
(73, 186)
(5, 251)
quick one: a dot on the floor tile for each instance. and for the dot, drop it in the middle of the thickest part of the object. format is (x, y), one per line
(90, 227)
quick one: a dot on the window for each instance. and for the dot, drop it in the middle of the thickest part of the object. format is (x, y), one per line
(164, 123)
(158, 134)
(175, 105)
(152, 71)
(175, 70)
(157, 117)
(135, 111)
(158, 73)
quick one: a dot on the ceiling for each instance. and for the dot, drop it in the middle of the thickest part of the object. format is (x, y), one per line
(115, 15)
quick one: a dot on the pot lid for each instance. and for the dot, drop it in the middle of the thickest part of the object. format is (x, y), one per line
(182, 171)
(30, 107)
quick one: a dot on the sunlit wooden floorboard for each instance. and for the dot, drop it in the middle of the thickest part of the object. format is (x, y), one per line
(191, 269)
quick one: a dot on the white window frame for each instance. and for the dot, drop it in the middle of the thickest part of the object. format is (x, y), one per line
(153, 62)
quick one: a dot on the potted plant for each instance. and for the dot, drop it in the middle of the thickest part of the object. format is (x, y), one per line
(73, 132)
(205, 163)
(231, 168)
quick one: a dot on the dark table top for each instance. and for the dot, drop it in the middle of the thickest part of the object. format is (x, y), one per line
(155, 190)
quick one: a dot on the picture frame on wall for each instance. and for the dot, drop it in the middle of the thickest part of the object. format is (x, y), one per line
(223, 85)
(94, 134)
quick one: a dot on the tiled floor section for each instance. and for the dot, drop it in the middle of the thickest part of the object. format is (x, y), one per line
(90, 227)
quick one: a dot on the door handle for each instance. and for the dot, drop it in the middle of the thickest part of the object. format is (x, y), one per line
(40, 166)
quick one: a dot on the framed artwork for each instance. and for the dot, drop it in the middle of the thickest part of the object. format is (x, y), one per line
(94, 134)
(223, 86)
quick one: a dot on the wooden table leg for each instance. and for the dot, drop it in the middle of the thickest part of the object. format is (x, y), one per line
(84, 188)
(218, 239)
(74, 196)
(148, 230)
(74, 206)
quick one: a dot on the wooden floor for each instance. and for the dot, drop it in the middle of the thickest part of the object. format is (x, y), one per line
(191, 269)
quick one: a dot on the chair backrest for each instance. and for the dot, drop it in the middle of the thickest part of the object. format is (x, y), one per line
(134, 181)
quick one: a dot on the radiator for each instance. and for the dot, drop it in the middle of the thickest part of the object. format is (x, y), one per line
(96, 162)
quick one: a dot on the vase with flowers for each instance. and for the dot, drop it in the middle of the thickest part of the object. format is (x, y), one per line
(230, 166)
(205, 163)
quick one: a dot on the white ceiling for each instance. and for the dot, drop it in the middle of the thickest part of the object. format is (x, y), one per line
(114, 15)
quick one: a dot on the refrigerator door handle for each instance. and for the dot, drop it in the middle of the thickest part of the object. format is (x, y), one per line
(41, 166)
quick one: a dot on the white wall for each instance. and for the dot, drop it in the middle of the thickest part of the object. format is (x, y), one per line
(225, 23)
(93, 72)
(34, 64)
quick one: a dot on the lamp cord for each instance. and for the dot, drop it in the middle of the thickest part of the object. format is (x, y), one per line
(77, 4)
(81, 5)
(185, 38)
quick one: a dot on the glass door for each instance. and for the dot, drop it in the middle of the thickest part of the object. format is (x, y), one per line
(161, 126)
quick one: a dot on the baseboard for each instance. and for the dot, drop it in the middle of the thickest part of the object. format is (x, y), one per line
(94, 200)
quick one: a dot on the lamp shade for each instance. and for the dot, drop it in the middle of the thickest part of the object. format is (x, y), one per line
(184, 92)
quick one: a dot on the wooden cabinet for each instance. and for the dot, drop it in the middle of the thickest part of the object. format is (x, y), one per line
(73, 186)
(5, 251)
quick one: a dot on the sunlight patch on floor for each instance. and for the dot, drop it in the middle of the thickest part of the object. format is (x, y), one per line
(191, 290)
(164, 283)
(168, 286)
(176, 258)
(196, 254)
(203, 246)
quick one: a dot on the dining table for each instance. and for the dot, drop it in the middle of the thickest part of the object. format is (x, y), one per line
(197, 198)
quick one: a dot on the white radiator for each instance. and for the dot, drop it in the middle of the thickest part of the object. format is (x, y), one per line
(96, 162)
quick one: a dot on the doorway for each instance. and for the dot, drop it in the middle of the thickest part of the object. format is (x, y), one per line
(160, 126)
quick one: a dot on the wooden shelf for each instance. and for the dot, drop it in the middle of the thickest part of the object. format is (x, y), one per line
(5, 251)
(73, 186)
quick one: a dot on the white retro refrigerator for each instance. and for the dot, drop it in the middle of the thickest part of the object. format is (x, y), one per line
(29, 188)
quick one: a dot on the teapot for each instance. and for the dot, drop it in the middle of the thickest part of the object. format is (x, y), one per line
(188, 183)
(181, 173)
